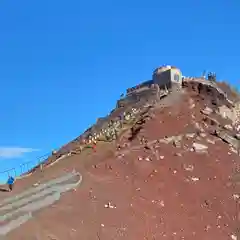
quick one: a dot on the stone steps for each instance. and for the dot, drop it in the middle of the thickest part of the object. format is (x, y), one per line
(16, 210)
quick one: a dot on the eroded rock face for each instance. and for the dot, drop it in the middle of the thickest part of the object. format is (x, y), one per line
(151, 164)
(207, 90)
(211, 121)
(228, 138)
(229, 113)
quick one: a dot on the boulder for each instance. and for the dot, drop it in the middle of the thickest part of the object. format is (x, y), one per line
(207, 111)
(199, 148)
(176, 143)
(228, 127)
(190, 135)
(227, 138)
(237, 136)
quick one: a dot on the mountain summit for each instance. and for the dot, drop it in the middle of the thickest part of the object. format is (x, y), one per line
(164, 164)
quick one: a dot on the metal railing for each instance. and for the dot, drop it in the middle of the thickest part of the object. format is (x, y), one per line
(22, 168)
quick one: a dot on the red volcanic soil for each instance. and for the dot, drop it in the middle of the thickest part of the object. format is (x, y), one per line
(158, 191)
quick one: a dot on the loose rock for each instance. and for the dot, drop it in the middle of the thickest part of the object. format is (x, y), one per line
(228, 127)
(207, 111)
(199, 148)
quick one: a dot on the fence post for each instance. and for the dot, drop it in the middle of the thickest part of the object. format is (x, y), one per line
(26, 165)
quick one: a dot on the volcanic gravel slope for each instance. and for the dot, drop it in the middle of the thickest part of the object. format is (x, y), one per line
(164, 189)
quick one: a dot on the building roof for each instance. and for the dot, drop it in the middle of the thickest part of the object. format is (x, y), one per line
(165, 67)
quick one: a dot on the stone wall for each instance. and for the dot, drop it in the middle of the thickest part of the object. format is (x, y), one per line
(146, 95)
(163, 79)
(145, 84)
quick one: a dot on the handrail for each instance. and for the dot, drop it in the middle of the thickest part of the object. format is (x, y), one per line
(19, 170)
(23, 167)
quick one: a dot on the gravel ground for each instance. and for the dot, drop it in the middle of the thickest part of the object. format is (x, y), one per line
(167, 191)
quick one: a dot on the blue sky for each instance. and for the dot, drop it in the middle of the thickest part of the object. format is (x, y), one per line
(65, 63)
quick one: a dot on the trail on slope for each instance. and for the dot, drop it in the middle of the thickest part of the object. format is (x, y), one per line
(18, 209)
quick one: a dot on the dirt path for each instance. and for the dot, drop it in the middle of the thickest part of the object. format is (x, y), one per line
(18, 209)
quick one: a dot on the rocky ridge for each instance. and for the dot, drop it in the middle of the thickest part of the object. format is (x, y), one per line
(163, 167)
(127, 116)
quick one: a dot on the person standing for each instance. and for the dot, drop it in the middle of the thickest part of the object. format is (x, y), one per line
(94, 146)
(10, 183)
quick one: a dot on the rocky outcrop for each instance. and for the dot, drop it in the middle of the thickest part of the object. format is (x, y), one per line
(226, 137)
(205, 88)
(199, 148)
(151, 94)
(211, 121)
(207, 111)
(229, 113)
(135, 106)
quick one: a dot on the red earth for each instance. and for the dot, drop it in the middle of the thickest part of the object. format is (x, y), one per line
(138, 192)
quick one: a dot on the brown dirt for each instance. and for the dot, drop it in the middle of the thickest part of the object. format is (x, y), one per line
(155, 199)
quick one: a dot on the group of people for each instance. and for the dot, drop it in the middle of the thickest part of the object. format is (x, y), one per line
(211, 76)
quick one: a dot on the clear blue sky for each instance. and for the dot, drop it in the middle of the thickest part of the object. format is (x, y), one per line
(65, 63)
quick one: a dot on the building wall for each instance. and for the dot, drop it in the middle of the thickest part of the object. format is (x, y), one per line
(162, 79)
(129, 99)
(139, 86)
(145, 95)
(166, 76)
(176, 76)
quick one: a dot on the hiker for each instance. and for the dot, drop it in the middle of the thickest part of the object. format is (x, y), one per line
(92, 144)
(94, 147)
(10, 183)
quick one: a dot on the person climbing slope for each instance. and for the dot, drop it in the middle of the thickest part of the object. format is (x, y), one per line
(94, 146)
(10, 183)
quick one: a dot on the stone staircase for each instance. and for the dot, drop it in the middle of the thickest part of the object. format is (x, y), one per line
(20, 208)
